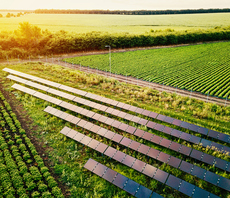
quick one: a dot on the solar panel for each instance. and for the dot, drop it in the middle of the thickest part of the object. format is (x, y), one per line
(143, 149)
(100, 169)
(156, 139)
(211, 177)
(109, 175)
(224, 183)
(185, 125)
(200, 193)
(165, 143)
(79, 137)
(203, 130)
(151, 124)
(176, 122)
(205, 142)
(168, 119)
(163, 157)
(134, 145)
(139, 133)
(128, 161)
(120, 181)
(198, 172)
(160, 117)
(138, 165)
(123, 127)
(185, 136)
(130, 129)
(75, 120)
(135, 119)
(103, 119)
(175, 162)
(116, 124)
(160, 176)
(149, 170)
(147, 136)
(175, 146)
(117, 138)
(69, 118)
(185, 150)
(159, 127)
(155, 195)
(115, 112)
(109, 135)
(167, 130)
(131, 187)
(90, 164)
(86, 140)
(221, 163)
(110, 151)
(153, 115)
(129, 117)
(65, 130)
(101, 147)
(71, 133)
(213, 134)
(194, 139)
(193, 127)
(143, 192)
(119, 156)
(120, 104)
(82, 123)
(146, 113)
(217, 146)
(209, 159)
(125, 141)
(186, 188)
(122, 114)
(93, 144)
(109, 121)
(173, 182)
(102, 131)
(186, 167)
(142, 121)
(153, 153)
(176, 133)
(223, 137)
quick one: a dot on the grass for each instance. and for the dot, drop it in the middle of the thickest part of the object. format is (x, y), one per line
(83, 23)
(201, 68)
(68, 157)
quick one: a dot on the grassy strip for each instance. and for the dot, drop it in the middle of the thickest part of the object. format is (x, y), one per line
(68, 156)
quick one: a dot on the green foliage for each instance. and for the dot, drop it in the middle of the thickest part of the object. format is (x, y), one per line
(35, 194)
(42, 187)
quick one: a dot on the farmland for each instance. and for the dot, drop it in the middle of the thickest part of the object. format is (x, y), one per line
(85, 23)
(23, 173)
(68, 156)
(201, 68)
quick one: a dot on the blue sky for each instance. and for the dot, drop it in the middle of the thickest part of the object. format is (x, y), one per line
(114, 4)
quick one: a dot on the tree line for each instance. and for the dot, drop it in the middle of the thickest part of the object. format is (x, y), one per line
(30, 41)
(131, 12)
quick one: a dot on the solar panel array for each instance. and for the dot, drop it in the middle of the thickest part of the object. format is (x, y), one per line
(180, 148)
(146, 150)
(120, 180)
(148, 170)
(152, 125)
(170, 180)
(204, 131)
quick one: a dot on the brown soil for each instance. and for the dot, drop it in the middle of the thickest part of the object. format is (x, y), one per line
(29, 127)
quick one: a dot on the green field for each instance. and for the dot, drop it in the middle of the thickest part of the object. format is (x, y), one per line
(202, 68)
(136, 24)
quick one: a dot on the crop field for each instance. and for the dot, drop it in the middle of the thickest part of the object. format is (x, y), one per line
(202, 68)
(83, 23)
(68, 156)
(23, 173)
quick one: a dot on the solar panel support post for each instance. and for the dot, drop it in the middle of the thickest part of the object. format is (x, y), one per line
(190, 93)
(226, 100)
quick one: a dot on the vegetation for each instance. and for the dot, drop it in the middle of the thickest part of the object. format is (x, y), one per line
(68, 156)
(28, 41)
(201, 68)
(131, 12)
(21, 167)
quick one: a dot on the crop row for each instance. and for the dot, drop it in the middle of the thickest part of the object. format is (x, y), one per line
(201, 68)
(22, 170)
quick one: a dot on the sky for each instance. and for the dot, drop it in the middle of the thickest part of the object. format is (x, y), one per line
(113, 4)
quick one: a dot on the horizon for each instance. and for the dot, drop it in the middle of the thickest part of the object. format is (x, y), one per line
(114, 4)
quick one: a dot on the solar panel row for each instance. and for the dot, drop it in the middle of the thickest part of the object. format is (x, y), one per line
(149, 170)
(146, 150)
(132, 130)
(119, 180)
(115, 112)
(192, 127)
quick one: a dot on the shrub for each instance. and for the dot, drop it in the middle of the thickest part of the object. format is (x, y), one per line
(42, 187)
(57, 192)
(51, 182)
(35, 194)
(46, 195)
(35, 173)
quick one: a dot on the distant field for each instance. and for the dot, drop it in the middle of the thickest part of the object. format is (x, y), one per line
(135, 24)
(203, 68)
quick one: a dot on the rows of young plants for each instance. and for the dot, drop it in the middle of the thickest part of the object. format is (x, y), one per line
(201, 68)
(22, 170)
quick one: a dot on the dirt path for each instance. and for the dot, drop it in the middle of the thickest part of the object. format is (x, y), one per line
(57, 60)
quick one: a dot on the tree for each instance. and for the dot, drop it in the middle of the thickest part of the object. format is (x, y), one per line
(8, 15)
